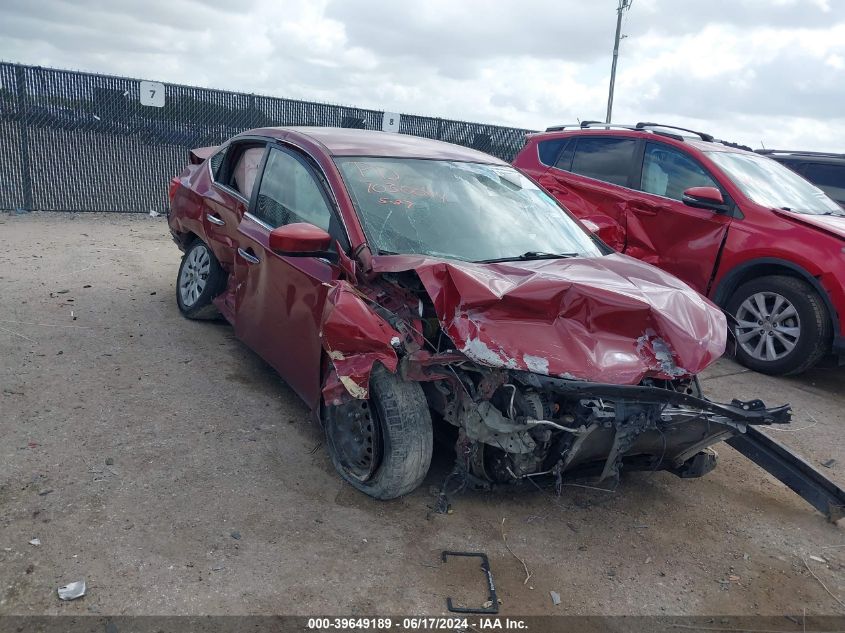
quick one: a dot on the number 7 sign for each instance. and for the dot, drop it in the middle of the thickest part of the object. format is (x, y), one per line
(152, 94)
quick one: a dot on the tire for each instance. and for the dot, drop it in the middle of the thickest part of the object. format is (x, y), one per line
(400, 435)
(793, 313)
(200, 280)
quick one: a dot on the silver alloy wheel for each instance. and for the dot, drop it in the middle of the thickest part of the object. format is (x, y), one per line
(194, 275)
(769, 326)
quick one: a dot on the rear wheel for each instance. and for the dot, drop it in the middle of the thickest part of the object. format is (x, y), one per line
(382, 445)
(783, 326)
(200, 279)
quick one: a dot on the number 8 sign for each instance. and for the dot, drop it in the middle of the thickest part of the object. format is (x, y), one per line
(152, 94)
(390, 122)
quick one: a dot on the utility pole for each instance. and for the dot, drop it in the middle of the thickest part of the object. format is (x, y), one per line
(624, 5)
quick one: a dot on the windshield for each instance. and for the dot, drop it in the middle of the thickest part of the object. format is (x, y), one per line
(770, 184)
(457, 210)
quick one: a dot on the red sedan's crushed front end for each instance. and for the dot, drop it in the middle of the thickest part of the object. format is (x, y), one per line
(567, 365)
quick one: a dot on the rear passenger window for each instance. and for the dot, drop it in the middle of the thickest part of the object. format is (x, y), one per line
(668, 172)
(607, 159)
(238, 166)
(216, 161)
(246, 170)
(565, 160)
(548, 151)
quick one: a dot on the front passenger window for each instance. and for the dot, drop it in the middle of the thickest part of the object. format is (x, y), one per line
(668, 172)
(288, 193)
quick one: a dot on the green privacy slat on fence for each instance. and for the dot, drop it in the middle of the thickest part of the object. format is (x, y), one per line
(72, 141)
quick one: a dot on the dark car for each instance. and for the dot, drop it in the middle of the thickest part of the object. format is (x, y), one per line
(393, 281)
(740, 228)
(826, 171)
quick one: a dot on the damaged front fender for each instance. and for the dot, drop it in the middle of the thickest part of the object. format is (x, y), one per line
(354, 338)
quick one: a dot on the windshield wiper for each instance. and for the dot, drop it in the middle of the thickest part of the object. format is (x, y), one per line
(528, 256)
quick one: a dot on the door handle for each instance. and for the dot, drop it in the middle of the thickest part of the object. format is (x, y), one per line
(249, 257)
(552, 186)
(214, 219)
(644, 209)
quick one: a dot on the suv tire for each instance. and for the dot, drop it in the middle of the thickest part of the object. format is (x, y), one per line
(784, 327)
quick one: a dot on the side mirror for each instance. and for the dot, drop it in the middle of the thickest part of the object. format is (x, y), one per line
(704, 198)
(300, 240)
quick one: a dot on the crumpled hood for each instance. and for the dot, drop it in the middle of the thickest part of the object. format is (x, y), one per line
(607, 319)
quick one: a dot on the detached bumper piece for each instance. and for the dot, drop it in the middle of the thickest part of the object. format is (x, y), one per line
(741, 417)
(793, 471)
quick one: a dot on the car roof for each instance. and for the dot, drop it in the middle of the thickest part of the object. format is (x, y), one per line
(355, 142)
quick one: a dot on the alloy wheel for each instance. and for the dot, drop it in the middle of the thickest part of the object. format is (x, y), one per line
(194, 275)
(768, 326)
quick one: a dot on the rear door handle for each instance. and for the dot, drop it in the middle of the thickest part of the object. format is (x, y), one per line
(643, 209)
(214, 219)
(249, 257)
(551, 185)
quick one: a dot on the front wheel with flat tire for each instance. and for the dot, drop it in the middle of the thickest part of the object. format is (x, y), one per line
(200, 279)
(782, 325)
(383, 445)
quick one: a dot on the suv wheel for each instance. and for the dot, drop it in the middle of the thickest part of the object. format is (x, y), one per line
(783, 327)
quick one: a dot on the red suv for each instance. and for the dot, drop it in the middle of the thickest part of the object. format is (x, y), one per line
(742, 229)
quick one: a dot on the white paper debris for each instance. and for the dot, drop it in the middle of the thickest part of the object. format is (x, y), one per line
(72, 591)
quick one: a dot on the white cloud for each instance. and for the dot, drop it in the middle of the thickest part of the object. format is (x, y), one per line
(745, 70)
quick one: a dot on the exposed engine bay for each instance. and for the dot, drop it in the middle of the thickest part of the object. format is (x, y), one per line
(514, 423)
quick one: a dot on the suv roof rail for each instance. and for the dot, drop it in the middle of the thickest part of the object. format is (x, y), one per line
(800, 152)
(642, 125)
(736, 145)
(584, 125)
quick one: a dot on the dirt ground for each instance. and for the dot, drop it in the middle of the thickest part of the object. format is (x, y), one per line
(167, 465)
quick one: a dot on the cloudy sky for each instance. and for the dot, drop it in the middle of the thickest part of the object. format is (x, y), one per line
(770, 71)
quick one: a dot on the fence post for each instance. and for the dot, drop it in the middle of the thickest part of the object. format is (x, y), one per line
(23, 114)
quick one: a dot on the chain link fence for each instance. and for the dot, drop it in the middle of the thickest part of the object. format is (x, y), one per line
(72, 141)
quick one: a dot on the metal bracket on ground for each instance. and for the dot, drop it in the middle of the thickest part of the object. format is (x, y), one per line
(491, 587)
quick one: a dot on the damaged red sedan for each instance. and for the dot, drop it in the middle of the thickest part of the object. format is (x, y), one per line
(394, 281)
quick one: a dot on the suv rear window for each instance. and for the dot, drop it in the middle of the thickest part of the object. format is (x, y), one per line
(607, 159)
(548, 151)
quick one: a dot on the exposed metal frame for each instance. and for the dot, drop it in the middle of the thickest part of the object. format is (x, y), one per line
(791, 470)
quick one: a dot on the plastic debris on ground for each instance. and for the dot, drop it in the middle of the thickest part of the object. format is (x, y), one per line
(72, 591)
